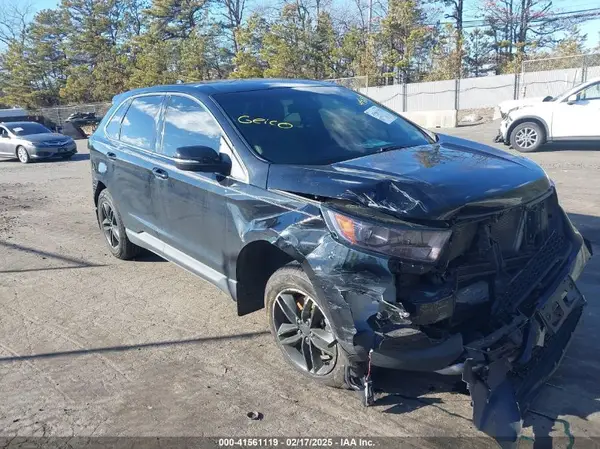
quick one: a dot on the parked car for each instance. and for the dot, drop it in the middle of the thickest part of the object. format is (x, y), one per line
(368, 240)
(80, 119)
(30, 140)
(570, 117)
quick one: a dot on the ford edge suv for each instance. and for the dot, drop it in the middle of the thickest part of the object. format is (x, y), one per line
(368, 240)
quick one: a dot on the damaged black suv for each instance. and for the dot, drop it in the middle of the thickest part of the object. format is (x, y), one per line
(368, 240)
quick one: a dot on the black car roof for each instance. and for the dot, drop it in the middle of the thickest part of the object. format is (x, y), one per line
(224, 86)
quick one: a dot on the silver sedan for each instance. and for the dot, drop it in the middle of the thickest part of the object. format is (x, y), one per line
(30, 140)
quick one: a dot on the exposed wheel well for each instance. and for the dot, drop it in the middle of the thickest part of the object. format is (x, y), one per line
(535, 120)
(99, 188)
(255, 264)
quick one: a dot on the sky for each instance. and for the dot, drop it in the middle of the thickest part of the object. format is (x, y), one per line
(591, 27)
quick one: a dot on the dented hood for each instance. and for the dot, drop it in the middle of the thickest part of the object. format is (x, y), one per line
(426, 182)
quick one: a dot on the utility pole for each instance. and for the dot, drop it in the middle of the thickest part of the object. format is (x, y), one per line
(368, 43)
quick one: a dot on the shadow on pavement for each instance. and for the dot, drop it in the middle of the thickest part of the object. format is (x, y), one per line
(148, 256)
(571, 146)
(81, 157)
(158, 344)
(46, 255)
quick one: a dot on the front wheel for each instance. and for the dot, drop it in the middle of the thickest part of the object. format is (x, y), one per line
(527, 137)
(23, 155)
(301, 328)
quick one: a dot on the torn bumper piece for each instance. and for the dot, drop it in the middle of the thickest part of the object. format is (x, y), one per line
(422, 355)
(502, 392)
(503, 388)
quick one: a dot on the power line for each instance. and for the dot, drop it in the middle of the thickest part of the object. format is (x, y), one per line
(589, 14)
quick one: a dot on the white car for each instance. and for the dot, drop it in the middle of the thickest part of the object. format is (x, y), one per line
(572, 116)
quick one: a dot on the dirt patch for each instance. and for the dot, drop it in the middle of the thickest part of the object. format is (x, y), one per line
(13, 203)
(486, 114)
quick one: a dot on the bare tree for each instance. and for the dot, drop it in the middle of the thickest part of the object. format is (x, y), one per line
(456, 14)
(14, 20)
(234, 16)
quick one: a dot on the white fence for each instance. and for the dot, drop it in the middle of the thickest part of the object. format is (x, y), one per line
(476, 93)
(538, 78)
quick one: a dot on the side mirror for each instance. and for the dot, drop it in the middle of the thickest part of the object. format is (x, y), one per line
(572, 99)
(199, 158)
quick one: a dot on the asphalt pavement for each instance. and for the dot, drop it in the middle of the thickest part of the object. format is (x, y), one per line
(94, 346)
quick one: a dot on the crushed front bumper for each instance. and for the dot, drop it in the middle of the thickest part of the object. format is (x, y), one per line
(504, 369)
(502, 136)
(503, 380)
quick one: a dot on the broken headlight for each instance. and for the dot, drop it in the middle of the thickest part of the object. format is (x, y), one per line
(414, 243)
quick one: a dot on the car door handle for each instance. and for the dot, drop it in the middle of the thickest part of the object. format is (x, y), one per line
(160, 173)
(111, 155)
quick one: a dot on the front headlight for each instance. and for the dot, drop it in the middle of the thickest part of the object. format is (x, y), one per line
(413, 243)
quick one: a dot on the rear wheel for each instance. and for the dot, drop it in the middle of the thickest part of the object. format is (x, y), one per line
(527, 137)
(113, 229)
(301, 327)
(23, 155)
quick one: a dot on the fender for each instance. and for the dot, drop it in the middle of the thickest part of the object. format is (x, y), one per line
(526, 118)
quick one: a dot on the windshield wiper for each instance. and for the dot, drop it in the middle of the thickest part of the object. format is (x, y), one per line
(385, 148)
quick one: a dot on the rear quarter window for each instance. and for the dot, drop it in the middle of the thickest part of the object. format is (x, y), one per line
(113, 128)
(139, 125)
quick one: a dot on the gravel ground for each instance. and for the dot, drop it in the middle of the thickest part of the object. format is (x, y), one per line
(93, 346)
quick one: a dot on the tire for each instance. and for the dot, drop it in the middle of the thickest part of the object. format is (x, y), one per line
(527, 137)
(66, 157)
(23, 155)
(292, 281)
(110, 221)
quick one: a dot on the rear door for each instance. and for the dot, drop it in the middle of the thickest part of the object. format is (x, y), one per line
(130, 158)
(195, 204)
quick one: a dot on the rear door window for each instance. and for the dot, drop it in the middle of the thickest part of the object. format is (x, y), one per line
(140, 123)
(187, 123)
(113, 128)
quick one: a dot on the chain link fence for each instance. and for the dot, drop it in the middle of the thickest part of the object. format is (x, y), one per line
(538, 78)
(56, 117)
(552, 76)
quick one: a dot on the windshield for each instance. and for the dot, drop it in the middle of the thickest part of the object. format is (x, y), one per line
(316, 125)
(568, 92)
(26, 129)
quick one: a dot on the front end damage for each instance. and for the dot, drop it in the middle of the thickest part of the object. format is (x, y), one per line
(499, 307)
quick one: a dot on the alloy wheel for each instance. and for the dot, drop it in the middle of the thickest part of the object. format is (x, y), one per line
(22, 154)
(526, 137)
(110, 226)
(304, 332)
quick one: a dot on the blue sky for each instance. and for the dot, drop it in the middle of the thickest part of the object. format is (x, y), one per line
(592, 27)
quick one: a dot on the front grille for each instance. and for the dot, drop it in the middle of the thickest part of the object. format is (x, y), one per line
(525, 228)
(508, 231)
(551, 252)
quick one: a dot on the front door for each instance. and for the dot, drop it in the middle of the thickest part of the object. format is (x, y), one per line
(195, 204)
(578, 119)
(6, 146)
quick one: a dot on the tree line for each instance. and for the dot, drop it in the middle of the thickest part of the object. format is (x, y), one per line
(89, 50)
